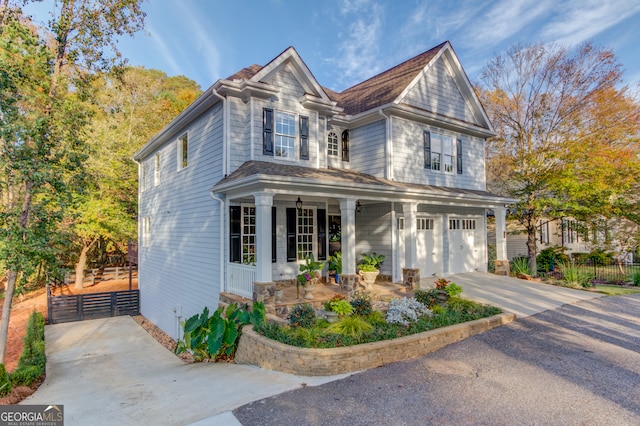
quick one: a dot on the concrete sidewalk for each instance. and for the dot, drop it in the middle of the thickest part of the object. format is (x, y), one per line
(521, 297)
(112, 372)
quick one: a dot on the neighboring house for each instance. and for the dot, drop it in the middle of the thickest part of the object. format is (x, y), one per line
(268, 166)
(570, 235)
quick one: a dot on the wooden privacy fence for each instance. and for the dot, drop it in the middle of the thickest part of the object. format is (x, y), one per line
(103, 274)
(79, 307)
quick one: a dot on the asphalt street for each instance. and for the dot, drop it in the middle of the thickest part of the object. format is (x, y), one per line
(577, 364)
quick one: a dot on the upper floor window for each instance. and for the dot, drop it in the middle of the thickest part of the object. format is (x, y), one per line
(280, 133)
(183, 151)
(345, 145)
(332, 143)
(156, 174)
(440, 151)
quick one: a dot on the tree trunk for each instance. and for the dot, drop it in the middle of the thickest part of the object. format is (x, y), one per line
(6, 313)
(82, 263)
(532, 249)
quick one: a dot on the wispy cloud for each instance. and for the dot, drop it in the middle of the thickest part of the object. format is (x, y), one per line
(580, 20)
(166, 52)
(358, 51)
(203, 40)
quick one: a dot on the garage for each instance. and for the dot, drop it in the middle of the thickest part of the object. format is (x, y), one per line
(464, 243)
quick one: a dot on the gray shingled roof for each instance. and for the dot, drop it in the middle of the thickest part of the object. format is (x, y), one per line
(339, 177)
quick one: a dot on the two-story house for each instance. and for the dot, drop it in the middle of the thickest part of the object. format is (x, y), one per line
(267, 166)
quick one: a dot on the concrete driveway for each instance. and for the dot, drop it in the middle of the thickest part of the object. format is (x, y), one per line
(521, 297)
(111, 371)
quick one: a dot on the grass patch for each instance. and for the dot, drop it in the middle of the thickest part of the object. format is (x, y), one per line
(615, 290)
(354, 332)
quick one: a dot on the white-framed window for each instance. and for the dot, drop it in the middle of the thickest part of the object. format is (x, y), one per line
(183, 151)
(332, 143)
(248, 234)
(285, 134)
(424, 224)
(544, 233)
(146, 231)
(468, 224)
(442, 153)
(156, 172)
(143, 177)
(306, 233)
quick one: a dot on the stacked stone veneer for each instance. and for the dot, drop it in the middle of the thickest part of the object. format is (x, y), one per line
(266, 353)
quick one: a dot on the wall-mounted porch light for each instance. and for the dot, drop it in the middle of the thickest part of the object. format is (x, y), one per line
(299, 205)
(358, 207)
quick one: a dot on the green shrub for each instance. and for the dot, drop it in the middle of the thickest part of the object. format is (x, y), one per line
(5, 383)
(335, 298)
(635, 278)
(575, 276)
(375, 318)
(216, 336)
(492, 256)
(353, 326)
(342, 308)
(550, 257)
(431, 298)
(520, 266)
(32, 362)
(454, 290)
(361, 304)
(302, 316)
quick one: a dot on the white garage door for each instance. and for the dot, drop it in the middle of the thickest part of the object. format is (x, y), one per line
(429, 242)
(464, 254)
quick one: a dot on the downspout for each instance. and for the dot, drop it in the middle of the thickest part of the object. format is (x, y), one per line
(222, 241)
(225, 138)
(225, 132)
(388, 169)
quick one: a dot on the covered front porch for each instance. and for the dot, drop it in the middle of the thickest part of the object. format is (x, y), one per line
(277, 215)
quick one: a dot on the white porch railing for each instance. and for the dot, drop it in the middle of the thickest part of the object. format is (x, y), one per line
(240, 279)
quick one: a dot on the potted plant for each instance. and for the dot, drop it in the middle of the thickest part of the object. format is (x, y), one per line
(337, 307)
(369, 268)
(308, 277)
(335, 265)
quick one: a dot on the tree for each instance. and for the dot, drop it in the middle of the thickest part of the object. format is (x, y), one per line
(130, 107)
(554, 114)
(43, 121)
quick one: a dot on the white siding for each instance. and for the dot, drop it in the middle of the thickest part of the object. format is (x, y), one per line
(437, 92)
(373, 233)
(367, 148)
(239, 132)
(408, 158)
(180, 267)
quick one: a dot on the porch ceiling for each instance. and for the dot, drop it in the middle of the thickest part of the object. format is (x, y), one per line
(261, 176)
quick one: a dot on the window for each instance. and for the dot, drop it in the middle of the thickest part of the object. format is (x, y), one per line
(544, 233)
(249, 235)
(345, 145)
(306, 234)
(143, 177)
(400, 221)
(332, 144)
(183, 151)
(156, 174)
(279, 134)
(440, 151)
(146, 231)
(468, 224)
(424, 224)
(454, 223)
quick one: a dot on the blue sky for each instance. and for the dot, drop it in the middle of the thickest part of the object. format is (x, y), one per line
(344, 42)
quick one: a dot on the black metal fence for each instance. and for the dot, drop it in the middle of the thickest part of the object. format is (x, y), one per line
(604, 272)
(79, 307)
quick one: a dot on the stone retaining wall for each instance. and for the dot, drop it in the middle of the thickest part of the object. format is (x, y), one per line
(266, 353)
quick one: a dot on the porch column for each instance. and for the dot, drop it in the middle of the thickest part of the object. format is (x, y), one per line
(410, 211)
(502, 262)
(348, 230)
(264, 202)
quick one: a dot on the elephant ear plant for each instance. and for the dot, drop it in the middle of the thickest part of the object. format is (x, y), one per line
(216, 337)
